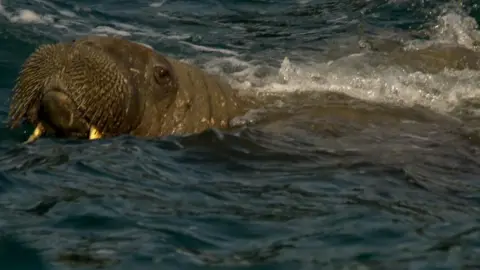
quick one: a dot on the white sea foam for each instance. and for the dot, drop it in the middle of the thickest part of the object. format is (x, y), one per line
(442, 91)
(28, 16)
(158, 4)
(25, 16)
(67, 13)
(106, 30)
(352, 75)
(209, 49)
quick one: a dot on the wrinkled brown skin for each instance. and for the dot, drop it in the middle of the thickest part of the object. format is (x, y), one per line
(158, 95)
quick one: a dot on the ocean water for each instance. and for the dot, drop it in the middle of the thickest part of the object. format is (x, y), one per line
(373, 164)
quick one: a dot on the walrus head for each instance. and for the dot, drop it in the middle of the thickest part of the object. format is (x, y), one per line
(93, 87)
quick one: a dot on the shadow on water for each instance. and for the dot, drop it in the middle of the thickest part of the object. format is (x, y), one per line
(16, 254)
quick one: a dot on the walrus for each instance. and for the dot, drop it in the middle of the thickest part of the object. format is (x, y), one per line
(98, 87)
(103, 86)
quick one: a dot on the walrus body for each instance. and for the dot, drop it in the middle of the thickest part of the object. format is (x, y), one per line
(105, 86)
(431, 59)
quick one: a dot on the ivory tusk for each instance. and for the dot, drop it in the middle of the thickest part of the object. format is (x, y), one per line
(36, 133)
(94, 133)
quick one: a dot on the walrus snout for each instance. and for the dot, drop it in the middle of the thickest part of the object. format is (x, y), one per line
(57, 114)
(58, 111)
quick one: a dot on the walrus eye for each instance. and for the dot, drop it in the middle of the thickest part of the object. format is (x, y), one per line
(165, 80)
(161, 72)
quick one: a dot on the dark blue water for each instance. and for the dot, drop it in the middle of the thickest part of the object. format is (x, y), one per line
(338, 191)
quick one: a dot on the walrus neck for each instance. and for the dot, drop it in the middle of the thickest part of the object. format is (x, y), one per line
(201, 101)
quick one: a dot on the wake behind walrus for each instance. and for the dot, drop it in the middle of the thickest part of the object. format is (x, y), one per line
(107, 86)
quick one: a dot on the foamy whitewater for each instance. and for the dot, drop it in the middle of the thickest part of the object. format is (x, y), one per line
(349, 74)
